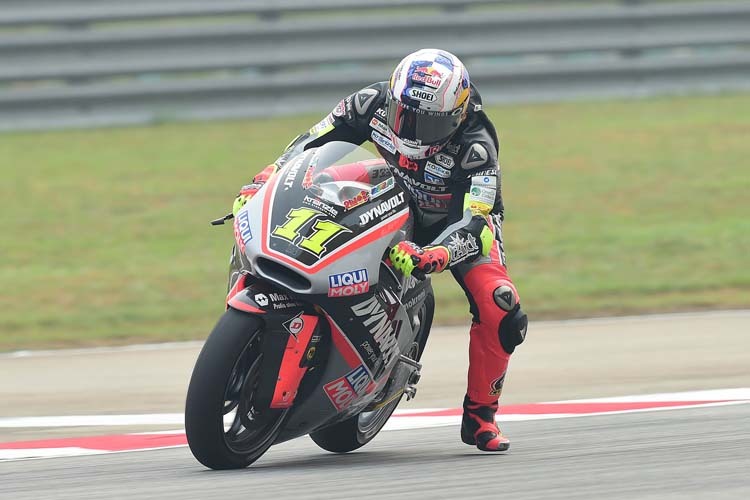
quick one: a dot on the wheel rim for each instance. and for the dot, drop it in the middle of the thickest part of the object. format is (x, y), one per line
(247, 429)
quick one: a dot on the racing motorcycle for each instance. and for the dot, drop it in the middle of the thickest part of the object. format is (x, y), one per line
(320, 335)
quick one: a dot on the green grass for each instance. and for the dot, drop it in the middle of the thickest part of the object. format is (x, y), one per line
(612, 207)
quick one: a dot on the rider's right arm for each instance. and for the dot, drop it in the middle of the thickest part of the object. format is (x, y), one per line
(331, 128)
(341, 124)
(347, 122)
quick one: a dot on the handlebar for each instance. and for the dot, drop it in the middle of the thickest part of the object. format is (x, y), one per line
(220, 221)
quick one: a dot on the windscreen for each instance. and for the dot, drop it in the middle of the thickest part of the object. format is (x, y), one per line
(347, 175)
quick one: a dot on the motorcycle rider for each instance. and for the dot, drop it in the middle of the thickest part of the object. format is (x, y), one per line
(427, 123)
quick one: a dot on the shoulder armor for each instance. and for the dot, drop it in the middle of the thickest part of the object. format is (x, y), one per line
(474, 156)
(364, 98)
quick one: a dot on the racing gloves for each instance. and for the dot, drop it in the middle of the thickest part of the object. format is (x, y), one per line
(464, 244)
(249, 190)
(410, 258)
(246, 192)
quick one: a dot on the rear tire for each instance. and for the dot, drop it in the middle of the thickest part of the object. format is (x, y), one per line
(224, 430)
(360, 429)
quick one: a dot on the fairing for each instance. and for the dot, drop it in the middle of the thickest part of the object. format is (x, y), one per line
(320, 220)
(313, 243)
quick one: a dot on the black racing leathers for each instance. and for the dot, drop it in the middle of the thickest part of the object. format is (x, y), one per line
(455, 191)
(464, 175)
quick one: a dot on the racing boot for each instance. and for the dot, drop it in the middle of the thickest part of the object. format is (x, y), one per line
(478, 427)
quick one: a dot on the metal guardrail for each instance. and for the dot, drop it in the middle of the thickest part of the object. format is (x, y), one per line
(66, 64)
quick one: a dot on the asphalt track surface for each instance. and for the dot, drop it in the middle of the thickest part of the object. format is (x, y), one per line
(688, 453)
(695, 453)
(559, 360)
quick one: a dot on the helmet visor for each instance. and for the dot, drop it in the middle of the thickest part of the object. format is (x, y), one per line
(421, 127)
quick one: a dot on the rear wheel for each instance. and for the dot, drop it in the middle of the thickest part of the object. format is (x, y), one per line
(360, 429)
(225, 430)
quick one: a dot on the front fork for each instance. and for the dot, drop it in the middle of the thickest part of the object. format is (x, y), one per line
(300, 350)
(290, 340)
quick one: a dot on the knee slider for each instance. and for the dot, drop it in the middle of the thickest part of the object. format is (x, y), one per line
(512, 331)
(505, 298)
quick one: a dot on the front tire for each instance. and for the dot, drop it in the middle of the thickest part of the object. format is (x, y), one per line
(224, 429)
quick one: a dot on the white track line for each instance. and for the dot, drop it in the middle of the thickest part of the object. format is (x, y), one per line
(92, 420)
(740, 393)
(407, 420)
(713, 397)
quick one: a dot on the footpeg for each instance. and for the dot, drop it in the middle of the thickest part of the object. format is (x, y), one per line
(410, 392)
(410, 389)
(408, 361)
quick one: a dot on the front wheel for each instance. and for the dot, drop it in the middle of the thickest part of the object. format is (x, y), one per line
(225, 430)
(360, 429)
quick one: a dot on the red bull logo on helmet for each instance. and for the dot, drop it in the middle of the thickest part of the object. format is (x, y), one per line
(427, 76)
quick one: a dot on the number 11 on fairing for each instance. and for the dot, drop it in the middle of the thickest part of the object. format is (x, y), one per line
(323, 230)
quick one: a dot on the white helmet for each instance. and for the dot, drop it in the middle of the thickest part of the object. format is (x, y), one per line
(426, 102)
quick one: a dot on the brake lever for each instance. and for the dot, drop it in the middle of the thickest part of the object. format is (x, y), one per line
(416, 273)
(220, 221)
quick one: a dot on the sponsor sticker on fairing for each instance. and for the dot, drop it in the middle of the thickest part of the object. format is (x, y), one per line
(382, 187)
(242, 232)
(379, 172)
(357, 200)
(383, 142)
(348, 284)
(275, 300)
(294, 325)
(411, 282)
(342, 391)
(384, 209)
(383, 330)
(372, 356)
(307, 180)
(281, 301)
(292, 174)
(320, 205)
(415, 300)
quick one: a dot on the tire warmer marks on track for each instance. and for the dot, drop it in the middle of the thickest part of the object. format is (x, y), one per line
(402, 419)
